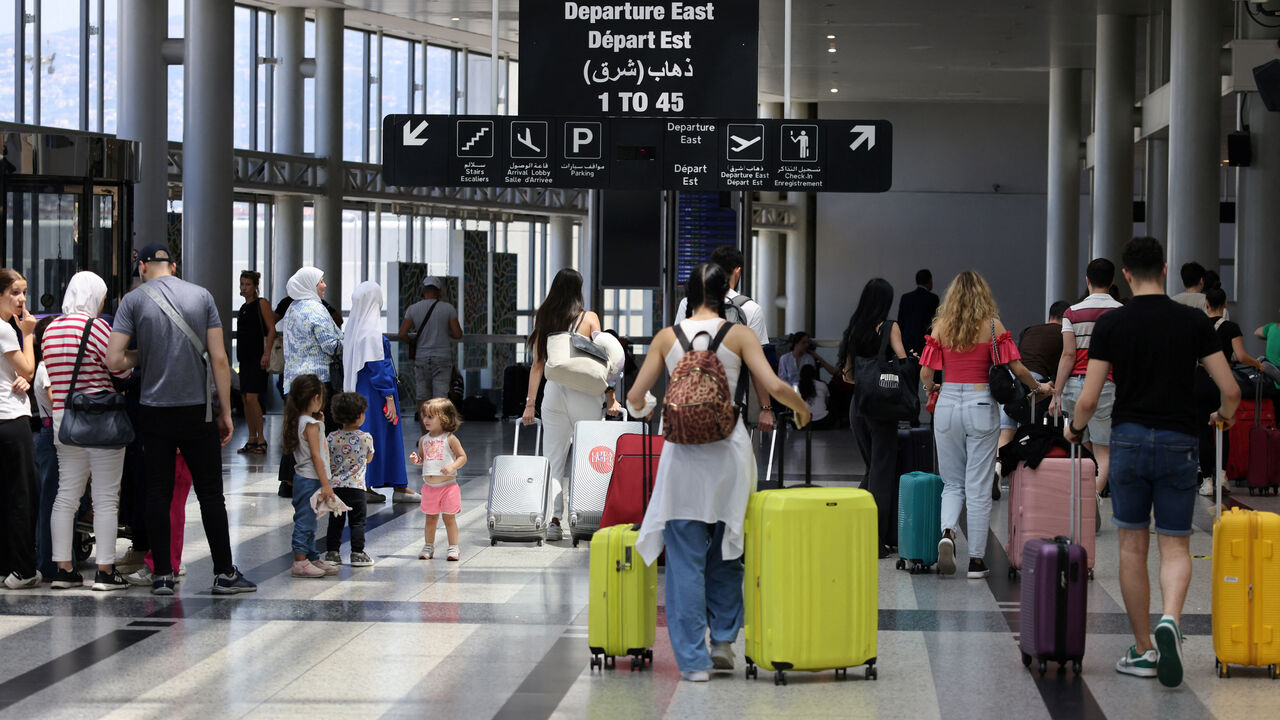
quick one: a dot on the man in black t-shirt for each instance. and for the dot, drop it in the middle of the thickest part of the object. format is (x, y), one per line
(1154, 343)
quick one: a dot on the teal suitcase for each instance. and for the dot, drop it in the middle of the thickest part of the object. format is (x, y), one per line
(919, 521)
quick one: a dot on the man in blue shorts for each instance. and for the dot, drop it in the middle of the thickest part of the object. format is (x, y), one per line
(1153, 344)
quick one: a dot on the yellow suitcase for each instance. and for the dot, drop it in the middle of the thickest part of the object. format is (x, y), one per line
(622, 612)
(811, 581)
(1246, 590)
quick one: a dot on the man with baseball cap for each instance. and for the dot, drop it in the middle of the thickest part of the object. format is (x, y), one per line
(180, 351)
(430, 325)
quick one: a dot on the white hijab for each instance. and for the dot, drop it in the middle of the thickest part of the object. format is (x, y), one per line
(361, 337)
(85, 294)
(302, 286)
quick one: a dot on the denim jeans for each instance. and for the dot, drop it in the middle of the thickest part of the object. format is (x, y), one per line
(1153, 471)
(703, 589)
(966, 430)
(304, 518)
(47, 481)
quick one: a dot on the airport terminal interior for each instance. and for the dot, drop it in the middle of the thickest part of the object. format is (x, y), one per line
(480, 146)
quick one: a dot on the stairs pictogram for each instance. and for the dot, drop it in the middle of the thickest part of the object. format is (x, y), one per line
(475, 138)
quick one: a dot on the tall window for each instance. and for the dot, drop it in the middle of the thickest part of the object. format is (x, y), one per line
(176, 80)
(439, 80)
(393, 82)
(243, 67)
(8, 71)
(354, 79)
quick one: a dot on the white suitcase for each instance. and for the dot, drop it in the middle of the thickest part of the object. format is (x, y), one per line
(594, 445)
(519, 494)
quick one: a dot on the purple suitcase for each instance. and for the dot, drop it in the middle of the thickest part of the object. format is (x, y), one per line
(1055, 601)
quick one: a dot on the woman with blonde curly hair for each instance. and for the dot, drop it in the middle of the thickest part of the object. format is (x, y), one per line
(966, 421)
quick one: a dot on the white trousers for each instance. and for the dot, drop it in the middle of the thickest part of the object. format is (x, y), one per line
(562, 408)
(75, 466)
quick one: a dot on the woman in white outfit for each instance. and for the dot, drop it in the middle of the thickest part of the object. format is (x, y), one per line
(85, 294)
(700, 494)
(562, 407)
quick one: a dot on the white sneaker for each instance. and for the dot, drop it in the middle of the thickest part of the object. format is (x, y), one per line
(722, 656)
(696, 676)
(428, 552)
(405, 496)
(554, 532)
(1097, 516)
(142, 577)
(946, 556)
(1206, 487)
(453, 553)
(17, 582)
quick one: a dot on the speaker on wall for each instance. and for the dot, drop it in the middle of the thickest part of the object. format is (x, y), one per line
(1267, 77)
(1239, 149)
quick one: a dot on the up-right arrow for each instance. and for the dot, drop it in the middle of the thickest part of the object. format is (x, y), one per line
(413, 136)
(867, 134)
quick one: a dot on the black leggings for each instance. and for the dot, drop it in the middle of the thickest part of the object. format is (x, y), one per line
(18, 536)
(354, 498)
(878, 444)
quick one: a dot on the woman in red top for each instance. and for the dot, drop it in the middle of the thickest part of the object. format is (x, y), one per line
(966, 421)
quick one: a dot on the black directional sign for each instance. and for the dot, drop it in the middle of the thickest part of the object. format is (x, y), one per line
(638, 153)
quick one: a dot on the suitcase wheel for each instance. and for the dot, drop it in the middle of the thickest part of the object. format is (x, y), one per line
(1225, 672)
(872, 674)
(1090, 574)
(596, 662)
(779, 677)
(575, 542)
(1013, 573)
(493, 542)
(610, 662)
(648, 655)
(1075, 666)
(901, 564)
(842, 673)
(752, 671)
(1274, 672)
(539, 542)
(637, 662)
(1043, 667)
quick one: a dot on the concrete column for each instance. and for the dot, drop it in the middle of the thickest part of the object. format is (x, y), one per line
(1258, 219)
(559, 244)
(207, 146)
(1157, 189)
(1062, 271)
(142, 97)
(287, 238)
(328, 210)
(1194, 128)
(798, 276)
(1113, 137)
(764, 271)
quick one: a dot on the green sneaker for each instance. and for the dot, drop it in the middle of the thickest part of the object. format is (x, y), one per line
(1132, 663)
(1169, 643)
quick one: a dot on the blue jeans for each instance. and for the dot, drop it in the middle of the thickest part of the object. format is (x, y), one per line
(1153, 470)
(47, 484)
(304, 518)
(966, 431)
(703, 589)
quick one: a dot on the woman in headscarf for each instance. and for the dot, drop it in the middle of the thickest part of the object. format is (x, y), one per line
(61, 347)
(311, 341)
(369, 370)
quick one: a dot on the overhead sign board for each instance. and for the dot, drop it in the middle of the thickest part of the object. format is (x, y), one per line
(639, 57)
(638, 153)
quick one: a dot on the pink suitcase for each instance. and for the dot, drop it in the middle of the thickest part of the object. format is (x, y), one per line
(1037, 502)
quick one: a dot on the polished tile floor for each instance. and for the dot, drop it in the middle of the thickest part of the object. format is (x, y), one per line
(503, 634)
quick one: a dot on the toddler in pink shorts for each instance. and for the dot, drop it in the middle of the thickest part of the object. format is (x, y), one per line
(441, 456)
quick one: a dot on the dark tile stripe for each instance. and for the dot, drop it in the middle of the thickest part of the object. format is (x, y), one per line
(64, 666)
(544, 689)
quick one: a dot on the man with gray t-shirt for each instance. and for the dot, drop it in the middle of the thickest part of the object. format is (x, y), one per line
(431, 324)
(169, 317)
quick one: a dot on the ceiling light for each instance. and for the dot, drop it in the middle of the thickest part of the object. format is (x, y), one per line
(831, 37)
(831, 48)
(835, 90)
(454, 19)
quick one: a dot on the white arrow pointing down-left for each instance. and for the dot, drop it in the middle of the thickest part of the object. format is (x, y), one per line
(412, 137)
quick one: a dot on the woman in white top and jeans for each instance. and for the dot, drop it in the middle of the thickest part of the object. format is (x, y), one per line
(700, 494)
(17, 446)
(80, 306)
(562, 407)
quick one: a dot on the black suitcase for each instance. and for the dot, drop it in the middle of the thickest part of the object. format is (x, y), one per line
(915, 450)
(515, 388)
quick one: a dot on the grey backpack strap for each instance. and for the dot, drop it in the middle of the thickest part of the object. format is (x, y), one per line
(196, 342)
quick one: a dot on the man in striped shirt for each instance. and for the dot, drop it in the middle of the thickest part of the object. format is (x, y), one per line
(1077, 328)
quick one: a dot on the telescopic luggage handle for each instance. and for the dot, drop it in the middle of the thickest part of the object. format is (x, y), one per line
(537, 443)
(1219, 474)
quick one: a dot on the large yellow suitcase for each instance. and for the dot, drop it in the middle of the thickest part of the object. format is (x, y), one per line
(622, 612)
(1246, 590)
(811, 581)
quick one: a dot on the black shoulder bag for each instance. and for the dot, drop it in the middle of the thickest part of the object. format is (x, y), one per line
(1002, 384)
(886, 388)
(413, 344)
(93, 420)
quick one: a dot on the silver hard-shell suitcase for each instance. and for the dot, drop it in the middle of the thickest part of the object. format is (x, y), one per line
(594, 445)
(519, 494)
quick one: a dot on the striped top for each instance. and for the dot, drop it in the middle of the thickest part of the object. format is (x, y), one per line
(61, 345)
(1080, 319)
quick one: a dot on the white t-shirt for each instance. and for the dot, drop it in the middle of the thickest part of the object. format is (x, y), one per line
(751, 308)
(302, 455)
(789, 367)
(43, 388)
(818, 403)
(12, 405)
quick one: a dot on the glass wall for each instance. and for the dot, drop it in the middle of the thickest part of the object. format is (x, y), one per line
(8, 70)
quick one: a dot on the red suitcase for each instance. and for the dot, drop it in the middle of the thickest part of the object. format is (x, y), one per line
(1264, 461)
(635, 465)
(1251, 414)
